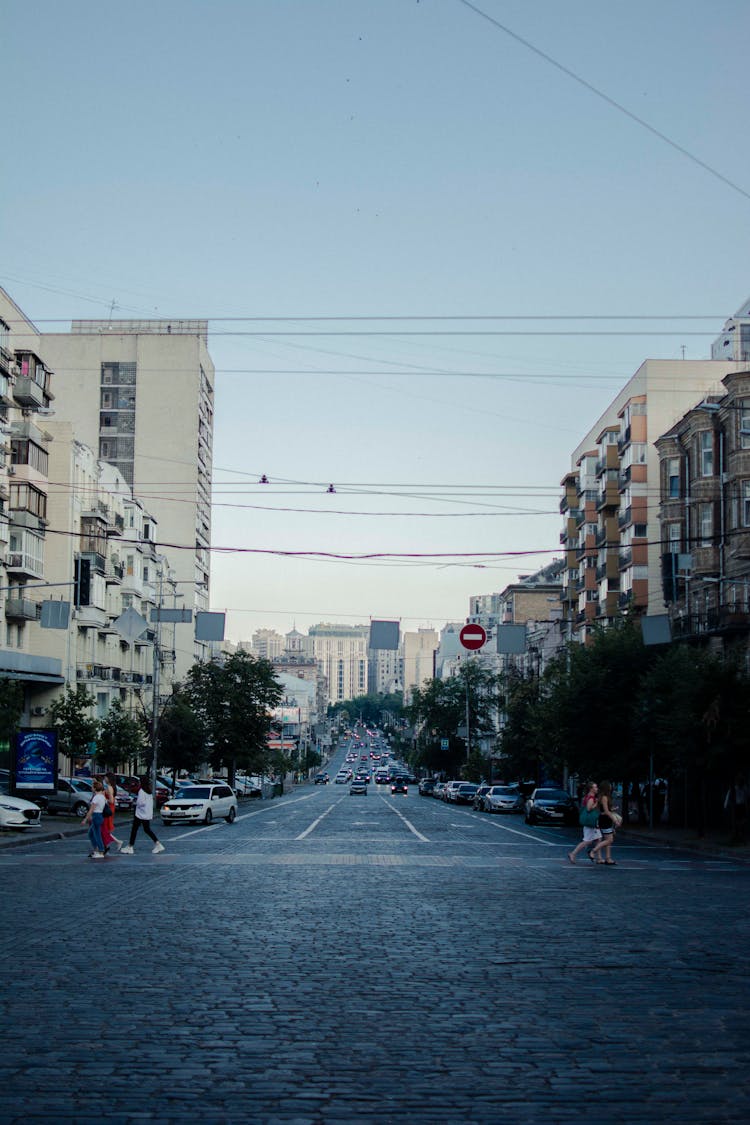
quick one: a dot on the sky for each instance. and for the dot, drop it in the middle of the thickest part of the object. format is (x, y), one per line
(433, 238)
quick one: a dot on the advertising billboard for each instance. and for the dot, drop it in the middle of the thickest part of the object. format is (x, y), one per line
(34, 759)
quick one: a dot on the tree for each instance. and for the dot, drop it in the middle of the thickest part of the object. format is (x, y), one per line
(70, 716)
(11, 708)
(121, 738)
(439, 709)
(232, 700)
(182, 745)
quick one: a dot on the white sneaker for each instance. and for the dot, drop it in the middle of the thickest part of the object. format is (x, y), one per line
(158, 847)
(97, 855)
(127, 850)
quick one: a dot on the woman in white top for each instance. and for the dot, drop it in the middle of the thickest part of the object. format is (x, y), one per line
(94, 818)
(144, 811)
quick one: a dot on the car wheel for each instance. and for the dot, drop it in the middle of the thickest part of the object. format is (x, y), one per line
(208, 817)
(231, 815)
(80, 809)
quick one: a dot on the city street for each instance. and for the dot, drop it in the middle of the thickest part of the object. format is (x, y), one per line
(333, 958)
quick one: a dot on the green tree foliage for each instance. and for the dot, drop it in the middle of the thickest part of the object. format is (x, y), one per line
(369, 708)
(120, 738)
(70, 715)
(437, 711)
(11, 708)
(232, 700)
(181, 735)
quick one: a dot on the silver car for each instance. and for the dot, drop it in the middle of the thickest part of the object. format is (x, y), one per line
(503, 799)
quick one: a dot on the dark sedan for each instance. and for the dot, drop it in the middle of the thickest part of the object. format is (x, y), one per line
(551, 806)
(464, 794)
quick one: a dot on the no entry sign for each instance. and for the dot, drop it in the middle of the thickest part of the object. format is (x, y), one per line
(473, 636)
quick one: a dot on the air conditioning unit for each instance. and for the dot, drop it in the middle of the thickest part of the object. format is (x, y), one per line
(11, 470)
(38, 710)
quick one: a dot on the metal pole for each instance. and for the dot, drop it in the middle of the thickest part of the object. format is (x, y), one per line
(155, 689)
(468, 728)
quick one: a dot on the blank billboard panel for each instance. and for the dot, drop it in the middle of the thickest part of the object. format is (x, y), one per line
(511, 639)
(384, 634)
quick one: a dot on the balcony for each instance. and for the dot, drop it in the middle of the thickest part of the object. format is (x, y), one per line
(93, 672)
(625, 518)
(21, 609)
(28, 393)
(98, 562)
(625, 559)
(21, 563)
(624, 441)
(114, 573)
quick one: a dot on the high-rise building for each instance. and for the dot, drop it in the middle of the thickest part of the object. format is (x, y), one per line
(341, 650)
(611, 533)
(418, 653)
(141, 395)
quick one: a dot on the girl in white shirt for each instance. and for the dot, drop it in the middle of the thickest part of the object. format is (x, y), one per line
(144, 811)
(94, 818)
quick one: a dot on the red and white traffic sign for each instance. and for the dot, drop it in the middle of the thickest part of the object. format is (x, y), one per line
(473, 636)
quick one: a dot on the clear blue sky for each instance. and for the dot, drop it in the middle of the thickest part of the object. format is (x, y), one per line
(383, 158)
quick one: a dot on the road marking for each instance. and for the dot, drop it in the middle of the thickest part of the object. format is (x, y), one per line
(275, 806)
(526, 835)
(408, 823)
(315, 823)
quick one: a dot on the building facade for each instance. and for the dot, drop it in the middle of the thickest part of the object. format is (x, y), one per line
(141, 394)
(341, 651)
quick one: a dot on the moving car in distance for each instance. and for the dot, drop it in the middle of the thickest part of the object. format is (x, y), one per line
(399, 785)
(358, 788)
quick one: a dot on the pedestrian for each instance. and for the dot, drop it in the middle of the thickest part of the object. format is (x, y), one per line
(588, 819)
(144, 810)
(108, 823)
(608, 821)
(94, 819)
(735, 803)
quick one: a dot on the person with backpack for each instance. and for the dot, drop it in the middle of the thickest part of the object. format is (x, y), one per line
(589, 821)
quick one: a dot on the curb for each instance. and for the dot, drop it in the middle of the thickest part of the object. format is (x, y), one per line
(23, 838)
(695, 846)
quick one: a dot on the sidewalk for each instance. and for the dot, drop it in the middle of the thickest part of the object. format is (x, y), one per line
(715, 842)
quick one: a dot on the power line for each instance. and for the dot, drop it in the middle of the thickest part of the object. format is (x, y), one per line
(605, 97)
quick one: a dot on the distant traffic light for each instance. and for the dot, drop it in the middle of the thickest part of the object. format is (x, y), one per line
(83, 582)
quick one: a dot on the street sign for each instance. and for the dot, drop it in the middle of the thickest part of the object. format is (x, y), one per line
(473, 636)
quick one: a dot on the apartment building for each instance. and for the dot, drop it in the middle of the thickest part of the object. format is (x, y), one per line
(704, 477)
(341, 650)
(418, 658)
(141, 393)
(611, 532)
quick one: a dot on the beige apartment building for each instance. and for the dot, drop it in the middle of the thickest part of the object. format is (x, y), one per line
(611, 535)
(141, 395)
(341, 651)
(418, 659)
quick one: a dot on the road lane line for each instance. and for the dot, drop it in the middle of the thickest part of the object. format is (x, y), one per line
(315, 823)
(276, 806)
(408, 823)
(526, 835)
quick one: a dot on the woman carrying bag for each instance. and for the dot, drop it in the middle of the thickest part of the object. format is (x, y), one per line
(588, 819)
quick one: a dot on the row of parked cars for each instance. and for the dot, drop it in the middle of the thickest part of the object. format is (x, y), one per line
(543, 805)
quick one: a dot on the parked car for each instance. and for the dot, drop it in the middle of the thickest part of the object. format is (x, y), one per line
(200, 804)
(72, 795)
(439, 790)
(464, 793)
(17, 812)
(479, 796)
(399, 785)
(503, 798)
(426, 786)
(551, 806)
(358, 788)
(450, 788)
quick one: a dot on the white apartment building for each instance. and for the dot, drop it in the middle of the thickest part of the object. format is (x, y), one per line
(141, 395)
(342, 651)
(268, 644)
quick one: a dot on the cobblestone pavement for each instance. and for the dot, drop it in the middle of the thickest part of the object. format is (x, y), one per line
(330, 958)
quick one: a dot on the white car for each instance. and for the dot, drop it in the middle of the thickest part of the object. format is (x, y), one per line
(16, 812)
(200, 804)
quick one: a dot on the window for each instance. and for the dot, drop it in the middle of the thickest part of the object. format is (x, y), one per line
(24, 452)
(746, 503)
(673, 476)
(26, 498)
(706, 523)
(674, 537)
(744, 417)
(706, 453)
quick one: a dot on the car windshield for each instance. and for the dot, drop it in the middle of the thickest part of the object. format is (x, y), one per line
(551, 795)
(504, 791)
(198, 792)
(467, 788)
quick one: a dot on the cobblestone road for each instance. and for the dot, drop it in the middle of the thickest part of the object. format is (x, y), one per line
(383, 959)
